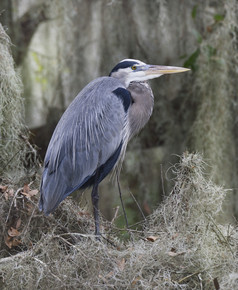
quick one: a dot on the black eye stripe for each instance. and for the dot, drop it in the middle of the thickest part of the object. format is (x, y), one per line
(124, 64)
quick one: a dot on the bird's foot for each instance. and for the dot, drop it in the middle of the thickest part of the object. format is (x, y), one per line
(97, 235)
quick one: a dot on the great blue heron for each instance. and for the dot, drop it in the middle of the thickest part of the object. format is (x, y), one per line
(92, 135)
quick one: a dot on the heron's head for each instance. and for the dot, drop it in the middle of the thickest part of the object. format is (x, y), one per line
(132, 70)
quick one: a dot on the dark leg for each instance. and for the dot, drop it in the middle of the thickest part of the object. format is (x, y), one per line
(95, 198)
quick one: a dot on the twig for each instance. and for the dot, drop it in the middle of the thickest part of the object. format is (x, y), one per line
(87, 236)
(191, 275)
(29, 220)
(46, 266)
(9, 161)
(219, 231)
(110, 242)
(17, 256)
(70, 244)
(26, 140)
(115, 215)
(162, 179)
(196, 273)
(136, 224)
(122, 230)
(19, 190)
(138, 206)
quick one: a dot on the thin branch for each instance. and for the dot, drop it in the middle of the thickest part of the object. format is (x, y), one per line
(29, 221)
(17, 256)
(196, 273)
(189, 276)
(141, 211)
(115, 215)
(15, 195)
(221, 234)
(162, 179)
(46, 266)
(120, 195)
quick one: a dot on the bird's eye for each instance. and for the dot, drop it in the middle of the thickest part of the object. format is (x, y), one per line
(133, 67)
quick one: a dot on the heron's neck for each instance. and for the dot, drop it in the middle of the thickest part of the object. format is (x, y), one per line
(142, 106)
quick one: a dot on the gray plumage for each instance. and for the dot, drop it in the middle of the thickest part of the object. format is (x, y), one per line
(86, 136)
(92, 135)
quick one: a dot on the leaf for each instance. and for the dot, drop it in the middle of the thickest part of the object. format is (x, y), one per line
(209, 28)
(27, 195)
(219, 17)
(191, 61)
(10, 192)
(103, 278)
(12, 242)
(13, 232)
(110, 274)
(121, 264)
(16, 242)
(3, 188)
(197, 35)
(211, 51)
(174, 254)
(33, 192)
(84, 213)
(133, 283)
(18, 223)
(194, 11)
(26, 188)
(152, 238)
(30, 193)
(8, 242)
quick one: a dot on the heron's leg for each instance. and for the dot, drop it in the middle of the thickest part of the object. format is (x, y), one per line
(95, 198)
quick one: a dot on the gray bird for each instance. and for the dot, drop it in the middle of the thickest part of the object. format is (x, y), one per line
(92, 135)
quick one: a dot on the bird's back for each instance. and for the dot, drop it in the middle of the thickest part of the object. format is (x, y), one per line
(90, 135)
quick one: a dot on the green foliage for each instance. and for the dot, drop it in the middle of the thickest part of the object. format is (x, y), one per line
(211, 51)
(194, 11)
(218, 17)
(192, 59)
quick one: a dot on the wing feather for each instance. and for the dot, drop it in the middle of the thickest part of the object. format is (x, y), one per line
(87, 135)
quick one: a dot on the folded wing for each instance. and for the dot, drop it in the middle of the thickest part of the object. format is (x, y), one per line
(90, 135)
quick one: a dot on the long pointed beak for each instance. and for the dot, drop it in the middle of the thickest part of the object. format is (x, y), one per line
(161, 70)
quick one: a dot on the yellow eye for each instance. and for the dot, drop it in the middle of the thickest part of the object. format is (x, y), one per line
(133, 67)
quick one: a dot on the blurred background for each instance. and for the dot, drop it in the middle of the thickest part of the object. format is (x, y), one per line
(59, 46)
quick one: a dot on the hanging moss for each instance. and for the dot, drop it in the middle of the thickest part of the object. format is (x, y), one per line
(14, 145)
(212, 132)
